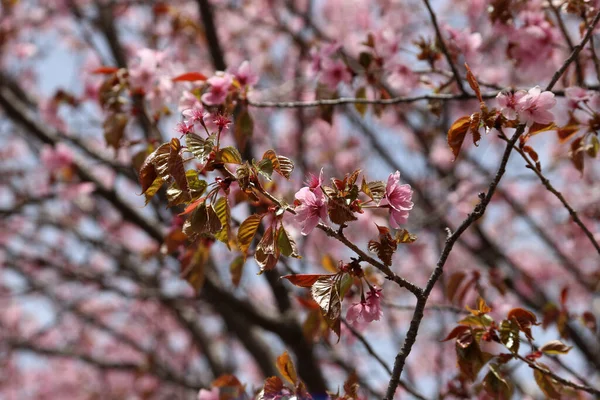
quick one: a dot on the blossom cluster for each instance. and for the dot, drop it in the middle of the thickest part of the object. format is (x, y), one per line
(528, 107)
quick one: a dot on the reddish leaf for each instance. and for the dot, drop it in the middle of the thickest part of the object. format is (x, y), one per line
(473, 83)
(273, 387)
(576, 153)
(104, 70)
(304, 280)
(154, 165)
(454, 333)
(525, 319)
(190, 77)
(454, 282)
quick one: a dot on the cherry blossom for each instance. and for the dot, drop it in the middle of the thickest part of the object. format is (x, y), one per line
(399, 199)
(219, 89)
(535, 107)
(312, 208)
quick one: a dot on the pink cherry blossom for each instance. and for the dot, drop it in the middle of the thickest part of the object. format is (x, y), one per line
(334, 72)
(366, 311)
(399, 199)
(184, 128)
(508, 101)
(577, 94)
(313, 181)
(313, 206)
(195, 115)
(246, 75)
(55, 158)
(142, 74)
(212, 394)
(219, 88)
(535, 107)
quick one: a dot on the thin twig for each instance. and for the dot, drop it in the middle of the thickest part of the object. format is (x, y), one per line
(577, 49)
(444, 49)
(411, 335)
(557, 378)
(531, 165)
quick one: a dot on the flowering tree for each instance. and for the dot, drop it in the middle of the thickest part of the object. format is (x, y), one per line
(274, 199)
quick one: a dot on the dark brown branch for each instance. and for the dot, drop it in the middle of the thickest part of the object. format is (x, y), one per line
(212, 38)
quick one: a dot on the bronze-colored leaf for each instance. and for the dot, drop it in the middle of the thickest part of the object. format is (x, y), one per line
(286, 368)
(326, 292)
(524, 319)
(351, 386)
(375, 190)
(229, 155)
(246, 232)
(114, 129)
(304, 280)
(175, 167)
(267, 252)
(473, 83)
(555, 347)
(243, 129)
(361, 93)
(457, 133)
(547, 385)
(235, 270)
(454, 282)
(404, 237)
(509, 335)
(222, 210)
(155, 165)
(286, 166)
(339, 212)
(199, 147)
(496, 385)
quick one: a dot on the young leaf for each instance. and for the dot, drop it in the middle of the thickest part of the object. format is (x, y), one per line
(375, 190)
(457, 133)
(246, 232)
(265, 168)
(454, 282)
(286, 244)
(155, 165)
(235, 270)
(190, 77)
(473, 83)
(524, 319)
(286, 166)
(243, 129)
(456, 332)
(223, 212)
(286, 368)
(304, 280)
(339, 212)
(229, 155)
(114, 129)
(496, 385)
(404, 237)
(555, 347)
(361, 93)
(267, 252)
(509, 335)
(194, 271)
(153, 189)
(175, 167)
(351, 386)
(326, 292)
(199, 147)
(546, 384)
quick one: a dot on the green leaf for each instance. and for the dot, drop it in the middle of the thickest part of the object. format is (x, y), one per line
(199, 147)
(361, 93)
(326, 292)
(176, 196)
(197, 186)
(286, 244)
(246, 232)
(229, 155)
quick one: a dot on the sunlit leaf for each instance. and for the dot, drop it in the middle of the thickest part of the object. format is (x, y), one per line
(509, 335)
(496, 385)
(524, 319)
(286, 244)
(361, 93)
(286, 368)
(375, 190)
(326, 292)
(267, 252)
(304, 280)
(223, 212)
(351, 386)
(555, 347)
(198, 146)
(457, 133)
(155, 165)
(114, 129)
(229, 155)
(246, 232)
